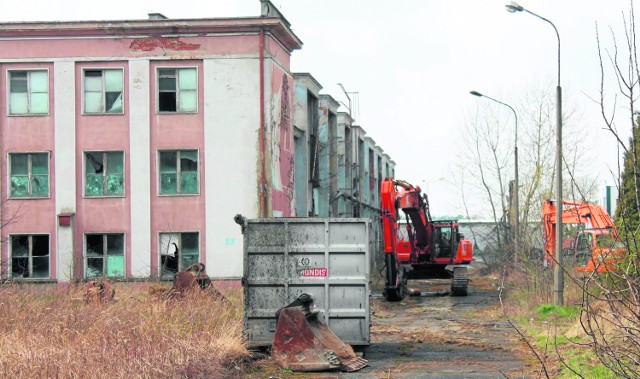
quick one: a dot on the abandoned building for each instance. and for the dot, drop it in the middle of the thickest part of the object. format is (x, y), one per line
(129, 146)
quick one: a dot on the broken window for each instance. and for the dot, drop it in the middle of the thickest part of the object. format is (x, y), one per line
(177, 90)
(29, 174)
(28, 92)
(104, 173)
(29, 256)
(104, 255)
(178, 172)
(178, 251)
(103, 91)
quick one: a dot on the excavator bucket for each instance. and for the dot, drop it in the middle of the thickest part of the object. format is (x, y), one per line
(303, 342)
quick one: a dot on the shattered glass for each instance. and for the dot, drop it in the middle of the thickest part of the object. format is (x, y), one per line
(114, 102)
(169, 252)
(20, 246)
(40, 175)
(99, 183)
(95, 267)
(115, 185)
(19, 186)
(113, 89)
(19, 175)
(20, 267)
(93, 185)
(40, 185)
(189, 171)
(39, 256)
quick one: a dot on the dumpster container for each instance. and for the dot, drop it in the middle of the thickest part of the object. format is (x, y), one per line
(325, 257)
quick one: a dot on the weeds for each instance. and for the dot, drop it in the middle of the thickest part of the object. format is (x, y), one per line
(46, 332)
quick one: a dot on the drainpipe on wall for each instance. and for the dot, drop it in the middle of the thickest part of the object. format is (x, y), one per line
(263, 133)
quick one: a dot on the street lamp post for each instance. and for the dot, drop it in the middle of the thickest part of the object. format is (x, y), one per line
(558, 276)
(516, 234)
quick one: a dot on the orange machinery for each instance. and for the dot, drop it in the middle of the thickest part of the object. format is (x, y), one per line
(419, 248)
(597, 244)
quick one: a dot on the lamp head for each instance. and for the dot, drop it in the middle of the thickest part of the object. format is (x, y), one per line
(475, 93)
(514, 7)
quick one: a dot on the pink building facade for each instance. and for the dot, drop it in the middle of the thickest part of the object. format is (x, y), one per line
(129, 146)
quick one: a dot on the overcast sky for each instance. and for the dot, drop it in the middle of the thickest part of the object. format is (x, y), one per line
(413, 63)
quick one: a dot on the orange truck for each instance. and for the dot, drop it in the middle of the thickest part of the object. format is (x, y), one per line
(596, 247)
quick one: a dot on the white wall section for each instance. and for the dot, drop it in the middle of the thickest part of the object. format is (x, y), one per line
(232, 158)
(140, 166)
(65, 163)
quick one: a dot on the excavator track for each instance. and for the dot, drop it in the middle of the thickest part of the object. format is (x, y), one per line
(397, 293)
(460, 281)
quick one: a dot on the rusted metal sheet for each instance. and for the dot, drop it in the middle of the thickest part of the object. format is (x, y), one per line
(325, 257)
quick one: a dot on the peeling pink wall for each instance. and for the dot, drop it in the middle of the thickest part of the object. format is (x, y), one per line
(280, 130)
(101, 133)
(183, 47)
(27, 134)
(176, 132)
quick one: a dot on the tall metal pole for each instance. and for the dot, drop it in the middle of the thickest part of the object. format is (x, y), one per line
(558, 274)
(516, 234)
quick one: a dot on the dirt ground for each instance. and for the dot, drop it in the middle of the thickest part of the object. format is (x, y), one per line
(434, 335)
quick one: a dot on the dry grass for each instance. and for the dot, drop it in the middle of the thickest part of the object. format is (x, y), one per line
(50, 333)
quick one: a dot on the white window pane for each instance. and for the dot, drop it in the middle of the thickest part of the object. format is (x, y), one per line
(39, 103)
(92, 83)
(113, 80)
(188, 101)
(93, 102)
(18, 103)
(39, 81)
(188, 79)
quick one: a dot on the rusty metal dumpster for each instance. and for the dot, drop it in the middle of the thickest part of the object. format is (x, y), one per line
(325, 257)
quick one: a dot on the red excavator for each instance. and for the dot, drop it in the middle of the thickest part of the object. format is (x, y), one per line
(596, 246)
(425, 249)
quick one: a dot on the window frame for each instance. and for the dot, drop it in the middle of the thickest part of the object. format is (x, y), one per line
(104, 91)
(105, 270)
(178, 171)
(29, 173)
(9, 72)
(180, 266)
(84, 175)
(177, 91)
(30, 257)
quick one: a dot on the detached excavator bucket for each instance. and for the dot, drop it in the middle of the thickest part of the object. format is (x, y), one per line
(303, 342)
